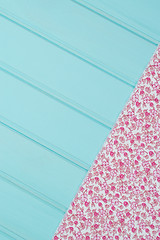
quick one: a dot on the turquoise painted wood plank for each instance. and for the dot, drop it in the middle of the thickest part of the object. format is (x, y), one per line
(104, 43)
(53, 178)
(49, 121)
(26, 216)
(3, 236)
(81, 83)
(142, 15)
(7, 234)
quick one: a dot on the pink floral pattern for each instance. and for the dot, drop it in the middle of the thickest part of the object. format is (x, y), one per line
(120, 197)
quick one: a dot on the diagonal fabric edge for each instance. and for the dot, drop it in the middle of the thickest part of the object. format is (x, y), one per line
(120, 196)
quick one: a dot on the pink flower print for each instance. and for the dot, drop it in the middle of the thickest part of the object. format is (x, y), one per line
(158, 229)
(138, 103)
(97, 237)
(84, 197)
(62, 230)
(122, 189)
(109, 148)
(121, 139)
(79, 214)
(121, 149)
(127, 238)
(153, 112)
(106, 227)
(105, 163)
(146, 99)
(149, 238)
(87, 180)
(120, 214)
(79, 236)
(147, 89)
(131, 224)
(122, 176)
(95, 199)
(90, 192)
(132, 177)
(158, 155)
(113, 173)
(146, 164)
(151, 153)
(155, 173)
(86, 204)
(130, 114)
(133, 205)
(139, 123)
(104, 186)
(152, 189)
(155, 86)
(70, 238)
(135, 97)
(152, 212)
(88, 223)
(101, 156)
(102, 212)
(115, 142)
(113, 188)
(113, 201)
(110, 238)
(148, 139)
(127, 162)
(142, 225)
(136, 190)
(121, 129)
(129, 136)
(157, 127)
(148, 79)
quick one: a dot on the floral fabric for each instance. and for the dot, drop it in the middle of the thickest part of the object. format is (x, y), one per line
(120, 197)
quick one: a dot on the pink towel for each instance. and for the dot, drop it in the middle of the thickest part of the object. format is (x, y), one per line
(120, 197)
